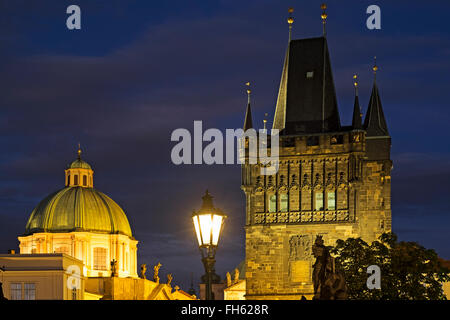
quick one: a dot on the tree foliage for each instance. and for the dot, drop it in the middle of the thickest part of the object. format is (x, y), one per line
(408, 270)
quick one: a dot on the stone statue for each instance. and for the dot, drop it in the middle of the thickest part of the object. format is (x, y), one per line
(2, 297)
(156, 271)
(236, 275)
(143, 271)
(169, 279)
(328, 284)
(228, 275)
(114, 268)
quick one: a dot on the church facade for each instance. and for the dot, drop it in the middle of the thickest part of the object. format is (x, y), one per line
(333, 180)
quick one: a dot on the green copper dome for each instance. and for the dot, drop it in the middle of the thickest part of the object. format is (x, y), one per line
(78, 209)
(78, 163)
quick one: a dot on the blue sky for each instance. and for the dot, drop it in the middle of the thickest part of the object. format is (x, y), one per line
(137, 70)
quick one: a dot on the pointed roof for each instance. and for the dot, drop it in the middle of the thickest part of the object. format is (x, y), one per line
(248, 123)
(357, 121)
(306, 98)
(375, 122)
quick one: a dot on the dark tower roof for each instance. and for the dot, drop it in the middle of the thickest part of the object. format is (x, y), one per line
(375, 123)
(307, 99)
(248, 123)
(357, 121)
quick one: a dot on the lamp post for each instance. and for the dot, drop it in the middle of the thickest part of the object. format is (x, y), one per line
(208, 222)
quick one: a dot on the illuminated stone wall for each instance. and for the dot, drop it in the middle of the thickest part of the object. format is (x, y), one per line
(326, 186)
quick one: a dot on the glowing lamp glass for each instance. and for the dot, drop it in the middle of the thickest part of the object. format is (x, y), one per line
(207, 228)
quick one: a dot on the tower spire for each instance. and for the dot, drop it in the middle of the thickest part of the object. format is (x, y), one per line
(290, 21)
(324, 18)
(357, 114)
(248, 122)
(79, 151)
(375, 122)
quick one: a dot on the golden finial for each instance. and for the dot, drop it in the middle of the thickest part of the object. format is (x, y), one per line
(79, 151)
(375, 68)
(290, 21)
(265, 120)
(355, 83)
(324, 17)
(248, 91)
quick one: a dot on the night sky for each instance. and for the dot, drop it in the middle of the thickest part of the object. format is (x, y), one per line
(137, 70)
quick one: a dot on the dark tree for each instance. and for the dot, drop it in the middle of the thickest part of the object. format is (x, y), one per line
(408, 270)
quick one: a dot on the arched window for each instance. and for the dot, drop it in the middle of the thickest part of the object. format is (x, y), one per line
(99, 259)
(319, 201)
(273, 203)
(84, 180)
(68, 179)
(283, 202)
(75, 179)
(331, 200)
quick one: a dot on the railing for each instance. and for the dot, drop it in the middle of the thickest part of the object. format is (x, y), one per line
(303, 217)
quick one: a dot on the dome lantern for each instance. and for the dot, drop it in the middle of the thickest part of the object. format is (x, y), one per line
(79, 173)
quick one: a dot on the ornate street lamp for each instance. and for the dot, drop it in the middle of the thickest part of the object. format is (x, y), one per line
(208, 222)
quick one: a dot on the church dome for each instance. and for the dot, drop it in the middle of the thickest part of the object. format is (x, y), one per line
(78, 207)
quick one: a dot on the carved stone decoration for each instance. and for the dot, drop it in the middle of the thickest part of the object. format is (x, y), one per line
(271, 217)
(294, 181)
(342, 216)
(169, 279)
(300, 247)
(330, 185)
(317, 182)
(270, 182)
(143, 271)
(306, 216)
(282, 181)
(156, 271)
(318, 216)
(305, 183)
(330, 216)
(114, 268)
(236, 275)
(228, 276)
(282, 217)
(294, 217)
(259, 218)
(329, 284)
(341, 182)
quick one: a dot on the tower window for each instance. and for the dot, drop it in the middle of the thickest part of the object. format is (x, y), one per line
(99, 259)
(75, 180)
(337, 139)
(310, 74)
(319, 201)
(85, 180)
(312, 141)
(74, 293)
(331, 200)
(273, 203)
(283, 202)
(68, 179)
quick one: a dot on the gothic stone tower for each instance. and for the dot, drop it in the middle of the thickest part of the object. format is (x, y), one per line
(332, 181)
